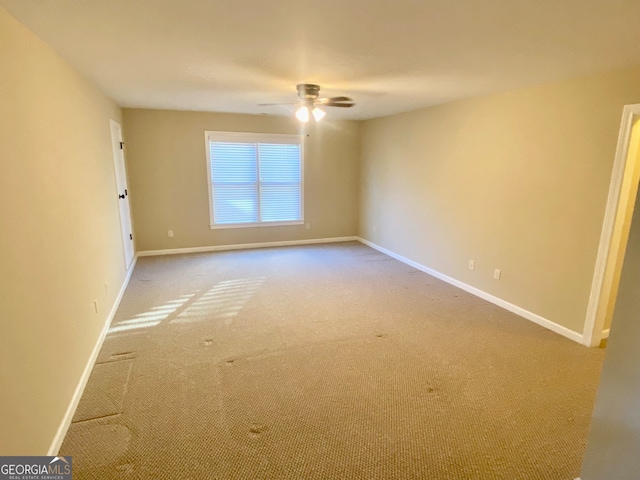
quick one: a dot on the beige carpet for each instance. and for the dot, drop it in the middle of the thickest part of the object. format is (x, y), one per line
(326, 362)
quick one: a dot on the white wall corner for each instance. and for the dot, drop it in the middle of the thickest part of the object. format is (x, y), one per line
(84, 378)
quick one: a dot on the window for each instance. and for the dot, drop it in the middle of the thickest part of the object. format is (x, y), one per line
(254, 179)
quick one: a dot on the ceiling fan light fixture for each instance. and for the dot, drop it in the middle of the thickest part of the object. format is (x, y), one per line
(318, 114)
(302, 114)
(309, 103)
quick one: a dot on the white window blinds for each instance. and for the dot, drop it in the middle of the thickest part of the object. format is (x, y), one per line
(254, 179)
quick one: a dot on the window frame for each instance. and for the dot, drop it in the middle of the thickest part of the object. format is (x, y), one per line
(250, 137)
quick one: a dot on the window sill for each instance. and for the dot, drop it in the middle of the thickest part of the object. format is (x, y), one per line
(253, 225)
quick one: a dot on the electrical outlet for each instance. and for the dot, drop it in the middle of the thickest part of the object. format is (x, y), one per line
(95, 305)
(496, 274)
(472, 264)
(170, 233)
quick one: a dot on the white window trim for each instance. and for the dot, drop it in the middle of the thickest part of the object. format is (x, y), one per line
(252, 137)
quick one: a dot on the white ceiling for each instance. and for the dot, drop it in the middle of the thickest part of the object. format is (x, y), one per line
(389, 55)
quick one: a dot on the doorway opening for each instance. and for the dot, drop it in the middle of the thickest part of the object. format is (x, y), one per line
(623, 191)
(122, 192)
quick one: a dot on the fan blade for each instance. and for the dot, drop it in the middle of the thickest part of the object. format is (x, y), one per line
(338, 104)
(325, 101)
(271, 104)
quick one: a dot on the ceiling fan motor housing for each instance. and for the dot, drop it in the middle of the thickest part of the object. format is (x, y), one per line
(308, 91)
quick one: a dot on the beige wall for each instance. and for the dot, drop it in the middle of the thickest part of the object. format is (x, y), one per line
(168, 178)
(614, 440)
(59, 240)
(516, 181)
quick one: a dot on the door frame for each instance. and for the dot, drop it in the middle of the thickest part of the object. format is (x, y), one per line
(604, 282)
(113, 124)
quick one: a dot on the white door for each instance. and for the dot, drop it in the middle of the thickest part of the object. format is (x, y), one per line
(122, 192)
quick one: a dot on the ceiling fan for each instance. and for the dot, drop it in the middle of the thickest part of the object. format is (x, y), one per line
(310, 103)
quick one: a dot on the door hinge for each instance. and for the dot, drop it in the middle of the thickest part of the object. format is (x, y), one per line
(121, 145)
(130, 236)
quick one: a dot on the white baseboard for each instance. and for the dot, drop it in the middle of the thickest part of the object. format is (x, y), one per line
(71, 409)
(605, 334)
(575, 336)
(243, 246)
